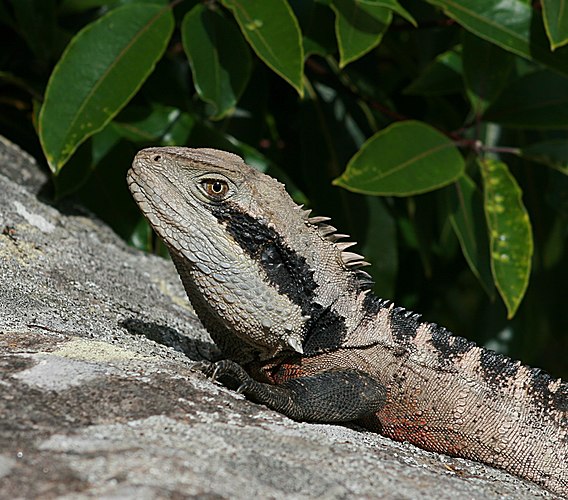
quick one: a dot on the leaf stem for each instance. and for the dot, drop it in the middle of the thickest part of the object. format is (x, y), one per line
(478, 147)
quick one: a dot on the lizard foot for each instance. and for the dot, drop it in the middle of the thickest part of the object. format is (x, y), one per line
(227, 368)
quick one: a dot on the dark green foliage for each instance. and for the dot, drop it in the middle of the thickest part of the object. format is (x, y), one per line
(452, 121)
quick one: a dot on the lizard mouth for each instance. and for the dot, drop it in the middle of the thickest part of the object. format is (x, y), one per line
(147, 185)
(139, 188)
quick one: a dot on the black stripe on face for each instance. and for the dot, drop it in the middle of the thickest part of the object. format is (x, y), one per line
(289, 272)
(284, 268)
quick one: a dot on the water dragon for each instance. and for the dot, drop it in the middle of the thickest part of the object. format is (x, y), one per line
(292, 311)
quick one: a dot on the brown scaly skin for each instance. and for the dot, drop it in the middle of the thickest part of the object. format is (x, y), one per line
(291, 310)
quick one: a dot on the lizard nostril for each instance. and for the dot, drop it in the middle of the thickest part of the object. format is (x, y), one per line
(157, 158)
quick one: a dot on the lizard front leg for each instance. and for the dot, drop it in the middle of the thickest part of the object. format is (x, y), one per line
(330, 396)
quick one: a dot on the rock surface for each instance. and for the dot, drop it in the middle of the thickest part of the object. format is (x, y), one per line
(98, 398)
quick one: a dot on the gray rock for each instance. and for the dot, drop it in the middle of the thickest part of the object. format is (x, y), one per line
(98, 398)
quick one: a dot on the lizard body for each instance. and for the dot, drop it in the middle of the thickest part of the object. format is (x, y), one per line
(292, 311)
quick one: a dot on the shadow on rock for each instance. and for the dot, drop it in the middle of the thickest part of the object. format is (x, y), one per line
(194, 349)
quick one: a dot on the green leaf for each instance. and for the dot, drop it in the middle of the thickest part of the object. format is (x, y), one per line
(404, 159)
(556, 22)
(154, 123)
(486, 69)
(468, 222)
(359, 27)
(272, 30)
(317, 26)
(100, 70)
(443, 76)
(551, 153)
(219, 57)
(510, 233)
(513, 25)
(536, 100)
(394, 6)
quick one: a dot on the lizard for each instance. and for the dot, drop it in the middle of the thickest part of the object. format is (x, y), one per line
(293, 314)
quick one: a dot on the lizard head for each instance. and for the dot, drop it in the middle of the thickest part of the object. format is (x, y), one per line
(261, 274)
(220, 219)
(181, 186)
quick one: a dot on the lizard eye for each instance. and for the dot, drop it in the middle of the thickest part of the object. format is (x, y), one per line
(216, 189)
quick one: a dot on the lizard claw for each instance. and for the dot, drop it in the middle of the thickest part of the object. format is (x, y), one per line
(215, 373)
(243, 387)
(228, 368)
(206, 367)
(223, 367)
